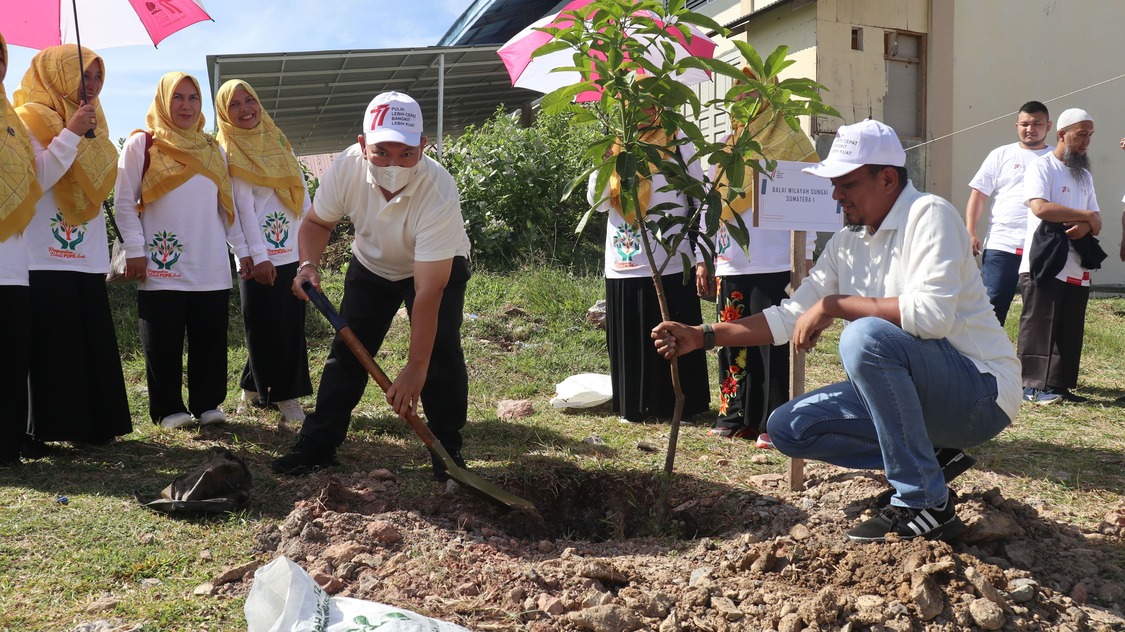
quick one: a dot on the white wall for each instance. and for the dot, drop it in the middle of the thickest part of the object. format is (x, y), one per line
(1006, 52)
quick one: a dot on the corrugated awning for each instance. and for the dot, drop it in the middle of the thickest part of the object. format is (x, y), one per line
(318, 98)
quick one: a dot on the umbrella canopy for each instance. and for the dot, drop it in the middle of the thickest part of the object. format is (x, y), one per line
(537, 73)
(104, 23)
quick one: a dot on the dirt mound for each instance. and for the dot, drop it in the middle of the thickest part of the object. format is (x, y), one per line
(786, 565)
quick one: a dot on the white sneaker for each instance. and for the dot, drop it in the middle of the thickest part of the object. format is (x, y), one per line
(248, 400)
(214, 416)
(178, 420)
(291, 410)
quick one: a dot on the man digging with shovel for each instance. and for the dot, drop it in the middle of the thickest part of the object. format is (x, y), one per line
(410, 246)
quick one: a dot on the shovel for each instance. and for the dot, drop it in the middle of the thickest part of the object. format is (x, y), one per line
(468, 480)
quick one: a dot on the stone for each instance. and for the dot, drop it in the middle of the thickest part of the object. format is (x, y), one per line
(596, 314)
(383, 532)
(550, 604)
(1079, 593)
(927, 597)
(338, 554)
(1021, 553)
(987, 614)
(699, 574)
(610, 618)
(790, 623)
(800, 532)
(990, 525)
(205, 589)
(823, 609)
(671, 623)
(1022, 590)
(602, 571)
(236, 572)
(658, 605)
(985, 587)
(512, 409)
(105, 604)
(726, 609)
(330, 583)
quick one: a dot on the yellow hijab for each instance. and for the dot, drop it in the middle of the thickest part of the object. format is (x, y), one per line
(655, 136)
(778, 141)
(45, 101)
(260, 156)
(179, 154)
(19, 187)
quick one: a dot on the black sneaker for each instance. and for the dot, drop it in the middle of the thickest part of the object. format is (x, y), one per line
(953, 463)
(305, 458)
(1067, 396)
(440, 474)
(33, 448)
(933, 523)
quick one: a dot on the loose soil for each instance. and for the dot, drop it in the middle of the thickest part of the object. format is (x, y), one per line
(755, 558)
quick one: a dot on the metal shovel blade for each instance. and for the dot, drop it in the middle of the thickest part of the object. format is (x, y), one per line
(475, 484)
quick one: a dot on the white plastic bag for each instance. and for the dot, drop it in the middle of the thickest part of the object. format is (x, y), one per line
(582, 391)
(285, 599)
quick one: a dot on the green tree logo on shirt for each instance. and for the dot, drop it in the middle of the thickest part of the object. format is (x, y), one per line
(68, 235)
(165, 249)
(276, 229)
(627, 243)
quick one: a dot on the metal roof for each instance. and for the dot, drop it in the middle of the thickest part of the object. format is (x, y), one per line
(318, 98)
(496, 21)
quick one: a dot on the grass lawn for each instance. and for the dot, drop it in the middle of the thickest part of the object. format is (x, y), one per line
(71, 531)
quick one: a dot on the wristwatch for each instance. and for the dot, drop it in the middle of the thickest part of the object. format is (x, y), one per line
(708, 337)
(305, 264)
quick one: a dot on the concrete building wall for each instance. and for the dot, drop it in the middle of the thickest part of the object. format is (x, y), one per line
(1006, 52)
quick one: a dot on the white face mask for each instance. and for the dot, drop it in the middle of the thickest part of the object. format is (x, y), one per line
(392, 178)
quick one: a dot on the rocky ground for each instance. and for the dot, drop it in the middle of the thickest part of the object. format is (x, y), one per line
(759, 558)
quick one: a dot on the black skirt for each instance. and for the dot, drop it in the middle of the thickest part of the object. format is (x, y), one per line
(77, 387)
(277, 363)
(642, 381)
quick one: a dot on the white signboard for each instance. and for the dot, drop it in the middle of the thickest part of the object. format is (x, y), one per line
(791, 200)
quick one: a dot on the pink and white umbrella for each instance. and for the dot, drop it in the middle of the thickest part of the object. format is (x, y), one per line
(105, 23)
(536, 73)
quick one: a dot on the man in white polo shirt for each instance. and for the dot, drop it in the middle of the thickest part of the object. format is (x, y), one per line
(410, 247)
(930, 370)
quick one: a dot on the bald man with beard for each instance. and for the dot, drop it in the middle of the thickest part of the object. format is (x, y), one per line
(1059, 191)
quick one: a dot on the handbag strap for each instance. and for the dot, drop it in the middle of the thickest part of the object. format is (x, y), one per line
(144, 169)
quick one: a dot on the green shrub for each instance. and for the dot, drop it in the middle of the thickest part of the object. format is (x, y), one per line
(512, 180)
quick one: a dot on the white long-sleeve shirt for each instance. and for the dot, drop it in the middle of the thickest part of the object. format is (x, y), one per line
(920, 255)
(52, 244)
(183, 235)
(624, 251)
(271, 231)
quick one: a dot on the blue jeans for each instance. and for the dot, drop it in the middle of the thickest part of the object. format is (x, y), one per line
(1000, 272)
(904, 397)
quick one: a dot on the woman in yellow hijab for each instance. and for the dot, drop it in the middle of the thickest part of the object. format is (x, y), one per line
(753, 381)
(176, 213)
(268, 181)
(77, 387)
(19, 190)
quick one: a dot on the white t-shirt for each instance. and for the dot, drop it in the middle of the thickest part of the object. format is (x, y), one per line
(921, 256)
(422, 223)
(1050, 179)
(1002, 173)
(52, 244)
(625, 256)
(770, 251)
(272, 230)
(183, 235)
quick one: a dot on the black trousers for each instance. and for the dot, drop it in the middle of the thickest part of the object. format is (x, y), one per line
(1052, 326)
(165, 317)
(642, 380)
(77, 387)
(369, 306)
(753, 381)
(15, 322)
(277, 363)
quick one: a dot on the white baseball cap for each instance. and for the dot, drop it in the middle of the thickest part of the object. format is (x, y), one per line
(865, 143)
(393, 117)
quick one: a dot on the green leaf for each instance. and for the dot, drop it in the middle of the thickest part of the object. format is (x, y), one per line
(550, 47)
